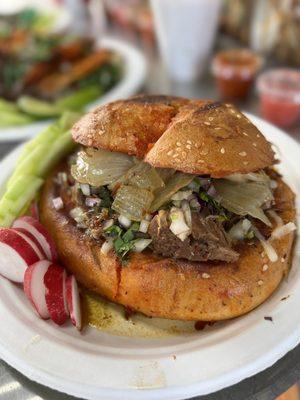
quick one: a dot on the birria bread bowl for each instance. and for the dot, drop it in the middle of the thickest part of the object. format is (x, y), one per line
(171, 207)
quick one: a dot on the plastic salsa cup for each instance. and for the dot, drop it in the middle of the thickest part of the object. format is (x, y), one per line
(279, 91)
(234, 71)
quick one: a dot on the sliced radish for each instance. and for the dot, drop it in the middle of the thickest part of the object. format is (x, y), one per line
(16, 254)
(36, 229)
(54, 280)
(34, 210)
(34, 287)
(73, 301)
(32, 241)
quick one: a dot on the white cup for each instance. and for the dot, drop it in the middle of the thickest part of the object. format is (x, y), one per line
(185, 30)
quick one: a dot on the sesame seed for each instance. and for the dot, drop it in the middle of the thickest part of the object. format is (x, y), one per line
(175, 155)
(169, 153)
(188, 146)
(205, 275)
(228, 105)
(201, 161)
(207, 123)
(263, 254)
(217, 128)
(222, 150)
(242, 154)
(178, 144)
(260, 283)
(282, 259)
(258, 135)
(245, 162)
(232, 111)
(254, 144)
(238, 115)
(211, 118)
(245, 134)
(189, 142)
(265, 267)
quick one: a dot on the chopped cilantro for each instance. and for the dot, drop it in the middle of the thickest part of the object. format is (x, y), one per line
(113, 231)
(105, 196)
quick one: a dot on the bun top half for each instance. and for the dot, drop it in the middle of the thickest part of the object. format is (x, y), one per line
(194, 136)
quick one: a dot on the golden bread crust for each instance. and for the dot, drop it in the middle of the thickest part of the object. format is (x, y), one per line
(193, 136)
(170, 288)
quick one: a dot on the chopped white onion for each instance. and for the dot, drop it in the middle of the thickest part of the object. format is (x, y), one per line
(187, 212)
(144, 225)
(281, 231)
(62, 177)
(108, 223)
(106, 247)
(148, 217)
(141, 244)
(276, 217)
(268, 248)
(273, 184)
(194, 203)
(239, 230)
(85, 188)
(92, 201)
(178, 225)
(77, 214)
(181, 195)
(58, 203)
(124, 221)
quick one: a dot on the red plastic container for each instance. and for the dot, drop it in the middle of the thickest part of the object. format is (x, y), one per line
(279, 91)
(234, 71)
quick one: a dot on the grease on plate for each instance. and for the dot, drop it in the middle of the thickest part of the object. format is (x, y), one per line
(109, 317)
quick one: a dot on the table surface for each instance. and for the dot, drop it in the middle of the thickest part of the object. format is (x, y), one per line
(264, 386)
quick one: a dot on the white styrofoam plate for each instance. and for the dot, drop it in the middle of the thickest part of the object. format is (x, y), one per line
(134, 73)
(98, 365)
(62, 17)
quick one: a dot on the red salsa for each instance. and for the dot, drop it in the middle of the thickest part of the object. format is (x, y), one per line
(280, 96)
(234, 71)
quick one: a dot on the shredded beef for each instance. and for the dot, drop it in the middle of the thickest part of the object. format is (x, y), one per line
(207, 240)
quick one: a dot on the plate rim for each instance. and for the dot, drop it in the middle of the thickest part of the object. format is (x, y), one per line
(175, 392)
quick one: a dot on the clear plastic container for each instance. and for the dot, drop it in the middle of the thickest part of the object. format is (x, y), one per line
(279, 91)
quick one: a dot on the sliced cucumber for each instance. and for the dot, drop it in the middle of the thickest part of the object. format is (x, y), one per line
(38, 108)
(14, 118)
(30, 164)
(79, 98)
(68, 119)
(60, 148)
(47, 136)
(7, 106)
(18, 196)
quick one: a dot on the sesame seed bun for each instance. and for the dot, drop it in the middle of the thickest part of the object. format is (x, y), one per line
(193, 136)
(166, 287)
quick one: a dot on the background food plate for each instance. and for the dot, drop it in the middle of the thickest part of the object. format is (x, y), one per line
(96, 365)
(134, 65)
(62, 17)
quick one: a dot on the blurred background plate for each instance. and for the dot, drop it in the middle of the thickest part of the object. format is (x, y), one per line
(62, 16)
(97, 365)
(134, 73)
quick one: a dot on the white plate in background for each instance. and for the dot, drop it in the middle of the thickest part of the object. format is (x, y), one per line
(134, 74)
(97, 365)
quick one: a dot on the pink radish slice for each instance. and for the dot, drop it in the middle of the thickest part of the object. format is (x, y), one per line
(34, 287)
(73, 300)
(36, 229)
(16, 254)
(54, 280)
(34, 210)
(32, 241)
